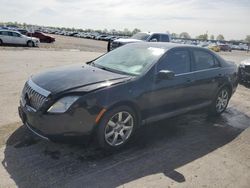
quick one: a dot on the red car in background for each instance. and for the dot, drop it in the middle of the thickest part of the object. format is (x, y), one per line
(42, 36)
(225, 48)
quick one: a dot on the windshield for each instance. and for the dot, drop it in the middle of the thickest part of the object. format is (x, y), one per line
(130, 59)
(140, 36)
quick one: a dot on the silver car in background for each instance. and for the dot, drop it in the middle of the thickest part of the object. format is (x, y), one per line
(14, 37)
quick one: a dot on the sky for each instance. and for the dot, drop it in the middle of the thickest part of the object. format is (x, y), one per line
(228, 17)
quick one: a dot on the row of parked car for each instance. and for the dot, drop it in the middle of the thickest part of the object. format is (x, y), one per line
(213, 45)
(19, 36)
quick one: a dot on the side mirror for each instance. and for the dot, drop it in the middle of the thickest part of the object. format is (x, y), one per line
(165, 74)
(153, 40)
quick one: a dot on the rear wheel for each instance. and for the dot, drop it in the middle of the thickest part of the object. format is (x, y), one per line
(220, 102)
(30, 44)
(116, 127)
(1, 42)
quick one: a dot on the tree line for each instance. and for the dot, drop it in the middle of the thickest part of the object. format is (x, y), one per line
(220, 37)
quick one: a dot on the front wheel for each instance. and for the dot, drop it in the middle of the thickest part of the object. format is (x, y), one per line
(220, 102)
(30, 44)
(116, 127)
(1, 42)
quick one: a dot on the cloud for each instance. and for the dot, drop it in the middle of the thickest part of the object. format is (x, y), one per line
(229, 17)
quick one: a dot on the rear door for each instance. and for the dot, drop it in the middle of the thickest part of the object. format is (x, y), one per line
(206, 69)
(5, 37)
(164, 38)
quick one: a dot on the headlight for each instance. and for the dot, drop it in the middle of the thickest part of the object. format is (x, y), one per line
(63, 104)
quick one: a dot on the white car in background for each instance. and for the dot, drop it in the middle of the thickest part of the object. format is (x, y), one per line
(14, 37)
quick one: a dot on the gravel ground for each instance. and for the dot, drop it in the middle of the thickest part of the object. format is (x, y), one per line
(191, 150)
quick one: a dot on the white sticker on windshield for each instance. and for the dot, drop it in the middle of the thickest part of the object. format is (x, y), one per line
(156, 51)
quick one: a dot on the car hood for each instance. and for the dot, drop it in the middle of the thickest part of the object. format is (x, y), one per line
(73, 77)
(121, 40)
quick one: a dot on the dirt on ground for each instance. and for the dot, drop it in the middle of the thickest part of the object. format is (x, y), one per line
(192, 150)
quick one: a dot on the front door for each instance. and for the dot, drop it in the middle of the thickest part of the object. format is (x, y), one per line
(169, 95)
(17, 38)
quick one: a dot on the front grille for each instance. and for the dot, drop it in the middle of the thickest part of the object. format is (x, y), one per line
(32, 97)
(247, 68)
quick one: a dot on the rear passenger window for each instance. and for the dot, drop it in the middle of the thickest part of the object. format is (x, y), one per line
(204, 60)
(177, 61)
(4, 33)
(165, 38)
(10, 33)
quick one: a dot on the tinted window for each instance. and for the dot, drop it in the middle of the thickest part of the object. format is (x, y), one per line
(10, 33)
(4, 33)
(165, 38)
(177, 61)
(155, 36)
(16, 34)
(204, 60)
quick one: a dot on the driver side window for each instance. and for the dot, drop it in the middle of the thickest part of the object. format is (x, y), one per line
(177, 61)
(155, 36)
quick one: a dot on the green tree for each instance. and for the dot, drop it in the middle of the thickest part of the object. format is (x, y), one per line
(212, 37)
(105, 31)
(184, 35)
(220, 37)
(203, 37)
(136, 30)
(126, 32)
(174, 35)
(247, 39)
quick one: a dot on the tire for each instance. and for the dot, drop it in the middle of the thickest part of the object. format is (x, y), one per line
(30, 44)
(220, 102)
(1, 42)
(116, 127)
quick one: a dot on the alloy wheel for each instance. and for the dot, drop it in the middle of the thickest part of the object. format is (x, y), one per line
(119, 128)
(222, 101)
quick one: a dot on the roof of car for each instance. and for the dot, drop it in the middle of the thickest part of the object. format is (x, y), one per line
(9, 30)
(150, 33)
(164, 45)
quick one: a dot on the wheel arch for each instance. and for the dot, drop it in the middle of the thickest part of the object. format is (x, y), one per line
(130, 104)
(29, 41)
(229, 87)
